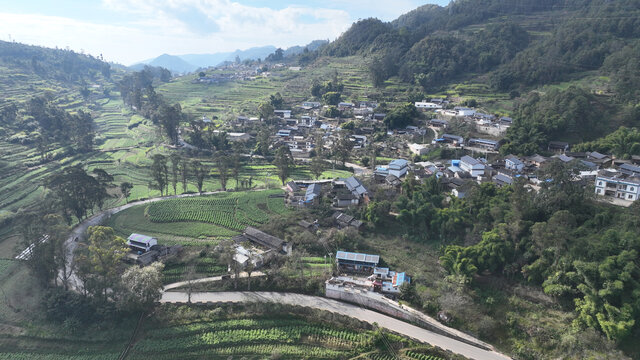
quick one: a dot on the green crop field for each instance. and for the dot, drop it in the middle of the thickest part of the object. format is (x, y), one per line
(202, 267)
(231, 210)
(253, 337)
(181, 221)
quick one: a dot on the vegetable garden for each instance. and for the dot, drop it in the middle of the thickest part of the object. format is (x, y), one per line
(233, 211)
(291, 337)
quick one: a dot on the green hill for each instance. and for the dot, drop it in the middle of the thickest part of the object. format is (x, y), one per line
(497, 52)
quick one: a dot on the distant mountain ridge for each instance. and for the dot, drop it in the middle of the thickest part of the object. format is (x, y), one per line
(191, 62)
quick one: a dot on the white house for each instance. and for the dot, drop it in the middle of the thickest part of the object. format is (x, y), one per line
(419, 149)
(618, 185)
(472, 166)
(285, 114)
(425, 105)
(513, 163)
(141, 242)
(463, 111)
(398, 167)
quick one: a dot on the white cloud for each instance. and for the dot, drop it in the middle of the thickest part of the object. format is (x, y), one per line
(148, 28)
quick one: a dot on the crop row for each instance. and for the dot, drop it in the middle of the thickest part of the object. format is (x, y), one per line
(233, 211)
(286, 351)
(175, 272)
(288, 334)
(419, 356)
(181, 330)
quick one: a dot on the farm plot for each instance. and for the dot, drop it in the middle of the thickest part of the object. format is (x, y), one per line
(256, 337)
(233, 211)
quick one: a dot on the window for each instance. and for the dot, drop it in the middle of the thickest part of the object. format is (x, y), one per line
(599, 183)
(599, 191)
(629, 196)
(632, 189)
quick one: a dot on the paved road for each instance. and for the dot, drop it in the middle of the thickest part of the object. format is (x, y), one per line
(334, 306)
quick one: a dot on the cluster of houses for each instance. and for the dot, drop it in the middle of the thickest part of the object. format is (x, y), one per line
(342, 192)
(484, 123)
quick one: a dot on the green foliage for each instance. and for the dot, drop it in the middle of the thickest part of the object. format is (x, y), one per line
(59, 64)
(624, 67)
(276, 101)
(401, 116)
(582, 43)
(283, 162)
(555, 115)
(437, 59)
(332, 112)
(611, 299)
(623, 143)
(377, 211)
(76, 192)
(332, 98)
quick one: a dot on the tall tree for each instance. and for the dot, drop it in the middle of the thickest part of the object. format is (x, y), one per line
(265, 110)
(76, 191)
(125, 188)
(222, 163)
(184, 173)
(283, 162)
(159, 172)
(342, 149)
(276, 101)
(99, 263)
(235, 167)
(262, 142)
(175, 166)
(317, 166)
(169, 117)
(141, 287)
(199, 171)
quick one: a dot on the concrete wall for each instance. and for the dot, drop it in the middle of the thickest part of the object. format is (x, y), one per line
(384, 305)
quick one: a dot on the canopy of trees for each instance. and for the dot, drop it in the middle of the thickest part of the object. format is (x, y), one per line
(581, 252)
(76, 193)
(401, 116)
(556, 115)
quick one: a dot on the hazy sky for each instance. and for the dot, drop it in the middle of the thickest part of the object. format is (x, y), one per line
(127, 31)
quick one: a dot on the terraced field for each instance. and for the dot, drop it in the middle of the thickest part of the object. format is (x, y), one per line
(243, 97)
(234, 333)
(255, 338)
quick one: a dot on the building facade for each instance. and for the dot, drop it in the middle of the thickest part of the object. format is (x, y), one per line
(617, 185)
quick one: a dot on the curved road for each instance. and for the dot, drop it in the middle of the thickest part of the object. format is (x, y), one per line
(334, 306)
(97, 219)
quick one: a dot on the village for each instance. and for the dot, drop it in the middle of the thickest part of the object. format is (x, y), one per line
(383, 159)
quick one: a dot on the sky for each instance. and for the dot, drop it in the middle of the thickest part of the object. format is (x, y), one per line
(129, 31)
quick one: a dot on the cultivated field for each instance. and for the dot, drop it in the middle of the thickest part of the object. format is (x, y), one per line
(208, 217)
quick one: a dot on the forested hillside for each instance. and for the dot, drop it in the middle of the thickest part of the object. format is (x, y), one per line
(517, 49)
